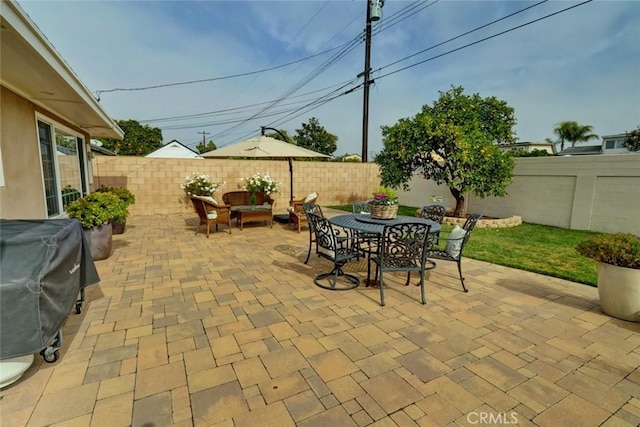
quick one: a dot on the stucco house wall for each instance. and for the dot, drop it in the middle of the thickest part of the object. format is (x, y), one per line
(37, 84)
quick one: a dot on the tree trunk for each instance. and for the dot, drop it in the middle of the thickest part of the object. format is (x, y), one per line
(460, 209)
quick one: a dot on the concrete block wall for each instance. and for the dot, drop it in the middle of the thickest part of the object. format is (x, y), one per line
(156, 182)
(598, 193)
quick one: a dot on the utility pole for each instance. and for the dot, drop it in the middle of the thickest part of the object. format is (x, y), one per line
(372, 15)
(204, 143)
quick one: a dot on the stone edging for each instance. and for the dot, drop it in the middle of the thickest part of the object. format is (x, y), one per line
(487, 223)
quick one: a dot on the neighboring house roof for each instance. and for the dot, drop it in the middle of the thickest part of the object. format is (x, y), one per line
(33, 69)
(524, 145)
(619, 135)
(581, 151)
(98, 149)
(174, 149)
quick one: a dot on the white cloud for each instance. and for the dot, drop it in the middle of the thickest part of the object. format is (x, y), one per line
(580, 65)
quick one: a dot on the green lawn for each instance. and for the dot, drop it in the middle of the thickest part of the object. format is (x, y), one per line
(539, 248)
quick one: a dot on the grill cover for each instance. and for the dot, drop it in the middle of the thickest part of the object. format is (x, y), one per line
(43, 266)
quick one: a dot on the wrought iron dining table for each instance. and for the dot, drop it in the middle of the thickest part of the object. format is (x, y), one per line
(366, 224)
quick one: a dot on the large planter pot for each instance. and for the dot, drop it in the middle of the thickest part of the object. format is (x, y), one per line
(118, 227)
(100, 240)
(619, 291)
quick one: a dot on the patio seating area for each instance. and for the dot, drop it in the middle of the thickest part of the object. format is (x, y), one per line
(231, 330)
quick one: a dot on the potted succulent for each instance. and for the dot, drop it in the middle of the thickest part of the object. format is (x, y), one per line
(95, 212)
(384, 204)
(119, 224)
(618, 257)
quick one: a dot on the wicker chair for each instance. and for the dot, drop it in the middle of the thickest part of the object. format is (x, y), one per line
(434, 212)
(403, 247)
(456, 242)
(211, 214)
(297, 217)
(337, 250)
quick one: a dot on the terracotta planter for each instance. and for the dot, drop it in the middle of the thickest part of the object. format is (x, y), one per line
(619, 291)
(100, 240)
(118, 227)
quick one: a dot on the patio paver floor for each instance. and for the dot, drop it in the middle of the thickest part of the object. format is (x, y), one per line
(183, 330)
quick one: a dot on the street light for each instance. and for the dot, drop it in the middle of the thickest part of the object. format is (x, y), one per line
(374, 12)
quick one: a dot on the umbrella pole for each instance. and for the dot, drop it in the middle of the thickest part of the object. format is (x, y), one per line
(290, 178)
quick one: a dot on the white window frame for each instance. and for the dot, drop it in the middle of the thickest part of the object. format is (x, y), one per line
(84, 182)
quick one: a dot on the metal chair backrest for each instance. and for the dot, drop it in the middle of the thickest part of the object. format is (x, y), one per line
(404, 246)
(468, 226)
(434, 212)
(325, 236)
(361, 206)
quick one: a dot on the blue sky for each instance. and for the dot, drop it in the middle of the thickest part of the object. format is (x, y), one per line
(582, 64)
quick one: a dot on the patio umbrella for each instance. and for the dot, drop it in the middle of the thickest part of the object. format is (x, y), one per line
(267, 148)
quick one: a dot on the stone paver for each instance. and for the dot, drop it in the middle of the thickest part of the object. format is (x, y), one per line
(231, 331)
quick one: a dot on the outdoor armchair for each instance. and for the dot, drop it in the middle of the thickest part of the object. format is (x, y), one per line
(210, 213)
(455, 243)
(297, 217)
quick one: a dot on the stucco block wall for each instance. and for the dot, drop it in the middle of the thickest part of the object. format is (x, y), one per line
(598, 193)
(156, 181)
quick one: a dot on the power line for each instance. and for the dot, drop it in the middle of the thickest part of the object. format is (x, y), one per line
(232, 76)
(479, 41)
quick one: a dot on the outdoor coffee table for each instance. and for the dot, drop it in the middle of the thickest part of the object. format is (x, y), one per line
(253, 213)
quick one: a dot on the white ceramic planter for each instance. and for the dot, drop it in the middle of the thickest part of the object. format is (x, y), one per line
(619, 291)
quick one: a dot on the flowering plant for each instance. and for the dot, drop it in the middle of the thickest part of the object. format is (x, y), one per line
(200, 185)
(261, 183)
(384, 196)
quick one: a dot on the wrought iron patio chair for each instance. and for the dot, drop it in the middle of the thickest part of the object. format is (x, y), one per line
(367, 243)
(434, 212)
(311, 208)
(338, 251)
(455, 243)
(403, 247)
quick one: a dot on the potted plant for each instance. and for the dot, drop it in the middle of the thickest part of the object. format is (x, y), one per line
(261, 184)
(119, 224)
(95, 212)
(618, 257)
(384, 204)
(200, 185)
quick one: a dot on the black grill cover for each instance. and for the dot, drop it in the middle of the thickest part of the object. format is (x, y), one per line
(43, 266)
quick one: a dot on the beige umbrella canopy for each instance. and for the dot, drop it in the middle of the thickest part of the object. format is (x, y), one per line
(267, 148)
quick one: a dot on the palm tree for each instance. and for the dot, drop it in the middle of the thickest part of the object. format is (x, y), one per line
(573, 132)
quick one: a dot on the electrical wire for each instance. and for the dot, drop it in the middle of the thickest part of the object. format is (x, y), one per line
(477, 41)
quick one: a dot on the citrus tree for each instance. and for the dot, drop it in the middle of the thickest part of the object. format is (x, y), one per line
(453, 142)
(138, 139)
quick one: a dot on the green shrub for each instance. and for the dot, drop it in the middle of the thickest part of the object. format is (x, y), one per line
(123, 193)
(621, 249)
(97, 209)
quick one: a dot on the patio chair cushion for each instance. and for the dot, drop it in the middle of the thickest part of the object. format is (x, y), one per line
(212, 214)
(310, 197)
(208, 199)
(454, 244)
